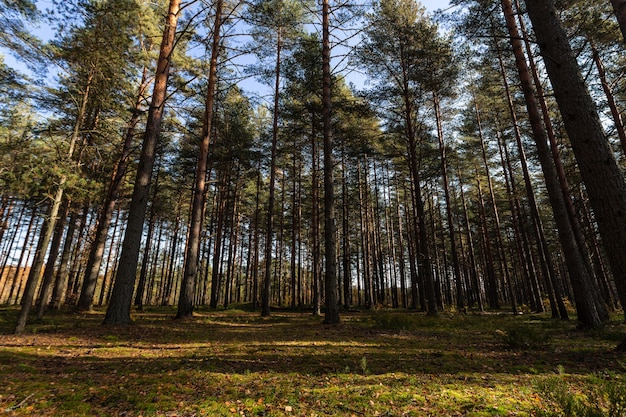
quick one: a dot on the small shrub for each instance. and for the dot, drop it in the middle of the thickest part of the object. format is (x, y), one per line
(601, 397)
(524, 338)
(394, 321)
(364, 365)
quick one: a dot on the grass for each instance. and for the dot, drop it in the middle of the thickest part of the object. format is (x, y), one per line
(235, 363)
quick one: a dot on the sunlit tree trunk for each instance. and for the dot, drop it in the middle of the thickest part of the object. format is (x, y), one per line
(61, 281)
(48, 273)
(587, 304)
(190, 271)
(34, 274)
(118, 311)
(96, 250)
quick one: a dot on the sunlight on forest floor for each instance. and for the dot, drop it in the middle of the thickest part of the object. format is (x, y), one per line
(228, 363)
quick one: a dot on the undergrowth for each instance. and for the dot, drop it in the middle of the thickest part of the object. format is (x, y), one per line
(234, 362)
(597, 396)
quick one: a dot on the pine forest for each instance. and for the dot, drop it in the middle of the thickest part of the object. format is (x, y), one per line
(322, 158)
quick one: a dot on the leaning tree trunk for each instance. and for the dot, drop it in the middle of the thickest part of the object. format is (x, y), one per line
(588, 310)
(560, 169)
(48, 273)
(96, 250)
(610, 98)
(603, 178)
(34, 275)
(188, 285)
(118, 311)
(60, 283)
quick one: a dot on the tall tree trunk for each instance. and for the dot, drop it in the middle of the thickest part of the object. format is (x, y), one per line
(257, 238)
(190, 271)
(48, 272)
(118, 311)
(421, 234)
(610, 98)
(587, 306)
(60, 286)
(295, 227)
(265, 299)
(504, 270)
(560, 170)
(331, 314)
(77, 257)
(315, 224)
(107, 277)
(460, 302)
(347, 276)
(35, 271)
(218, 244)
(96, 250)
(473, 270)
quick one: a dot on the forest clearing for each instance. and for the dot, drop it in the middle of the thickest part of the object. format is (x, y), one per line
(382, 363)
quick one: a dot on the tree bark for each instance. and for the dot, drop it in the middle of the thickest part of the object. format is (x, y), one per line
(587, 307)
(190, 271)
(460, 302)
(331, 314)
(118, 311)
(96, 250)
(603, 178)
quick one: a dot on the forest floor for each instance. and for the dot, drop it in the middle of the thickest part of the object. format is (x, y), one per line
(381, 363)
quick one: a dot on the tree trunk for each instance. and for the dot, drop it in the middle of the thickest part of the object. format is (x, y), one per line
(460, 302)
(48, 273)
(345, 219)
(315, 224)
(331, 314)
(60, 287)
(118, 311)
(473, 272)
(96, 250)
(35, 272)
(265, 299)
(588, 310)
(610, 98)
(190, 271)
